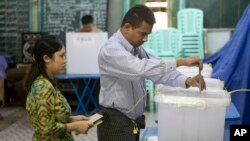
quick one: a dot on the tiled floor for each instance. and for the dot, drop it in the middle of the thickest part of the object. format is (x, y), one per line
(21, 129)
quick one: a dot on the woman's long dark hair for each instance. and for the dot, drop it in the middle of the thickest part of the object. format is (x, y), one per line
(46, 45)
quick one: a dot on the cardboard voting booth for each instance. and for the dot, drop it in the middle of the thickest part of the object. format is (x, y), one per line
(82, 52)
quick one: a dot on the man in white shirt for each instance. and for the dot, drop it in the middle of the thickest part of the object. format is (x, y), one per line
(124, 65)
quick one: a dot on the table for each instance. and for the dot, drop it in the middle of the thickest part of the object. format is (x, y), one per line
(86, 93)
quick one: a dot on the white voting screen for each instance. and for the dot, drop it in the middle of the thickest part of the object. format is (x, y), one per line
(82, 52)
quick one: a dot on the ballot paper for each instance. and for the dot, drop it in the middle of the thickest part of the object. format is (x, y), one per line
(95, 119)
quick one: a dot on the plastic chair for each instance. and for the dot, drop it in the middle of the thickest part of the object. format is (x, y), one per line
(165, 43)
(190, 25)
(171, 37)
(192, 45)
(155, 41)
(190, 21)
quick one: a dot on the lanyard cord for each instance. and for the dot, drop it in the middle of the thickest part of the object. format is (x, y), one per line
(141, 98)
(238, 90)
(136, 103)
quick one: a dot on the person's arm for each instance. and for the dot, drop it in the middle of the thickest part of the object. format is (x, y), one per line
(79, 126)
(116, 61)
(189, 81)
(190, 61)
(77, 118)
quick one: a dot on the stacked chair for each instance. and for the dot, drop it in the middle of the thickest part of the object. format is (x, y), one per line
(164, 43)
(190, 25)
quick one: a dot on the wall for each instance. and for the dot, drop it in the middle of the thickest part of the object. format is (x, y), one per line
(64, 16)
(51, 16)
(115, 16)
(220, 13)
(217, 13)
(14, 19)
(173, 7)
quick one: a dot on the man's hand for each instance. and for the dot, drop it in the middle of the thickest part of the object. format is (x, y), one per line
(190, 61)
(196, 81)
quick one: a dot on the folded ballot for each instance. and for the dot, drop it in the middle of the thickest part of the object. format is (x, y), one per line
(96, 119)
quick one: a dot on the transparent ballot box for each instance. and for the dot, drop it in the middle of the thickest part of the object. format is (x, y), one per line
(187, 115)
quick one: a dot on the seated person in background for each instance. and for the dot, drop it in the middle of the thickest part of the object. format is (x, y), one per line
(88, 25)
(48, 109)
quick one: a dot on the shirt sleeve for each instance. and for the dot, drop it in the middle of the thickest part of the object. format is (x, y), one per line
(115, 60)
(44, 117)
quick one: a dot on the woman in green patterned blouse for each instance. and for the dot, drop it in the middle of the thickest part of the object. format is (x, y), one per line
(48, 109)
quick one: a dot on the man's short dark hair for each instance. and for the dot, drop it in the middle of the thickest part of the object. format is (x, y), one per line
(137, 14)
(87, 19)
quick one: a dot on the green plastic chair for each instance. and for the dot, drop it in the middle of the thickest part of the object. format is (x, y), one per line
(165, 43)
(190, 25)
(171, 37)
(155, 42)
(190, 21)
(192, 45)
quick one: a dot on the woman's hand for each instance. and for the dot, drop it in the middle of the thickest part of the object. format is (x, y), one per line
(78, 118)
(82, 126)
(79, 126)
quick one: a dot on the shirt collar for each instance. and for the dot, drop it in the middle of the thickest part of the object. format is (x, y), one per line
(124, 42)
